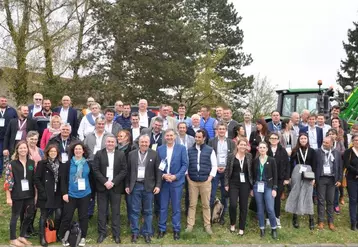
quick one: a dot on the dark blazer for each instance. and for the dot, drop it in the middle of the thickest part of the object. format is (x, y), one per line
(337, 163)
(116, 127)
(270, 170)
(45, 184)
(141, 128)
(150, 115)
(253, 128)
(65, 176)
(230, 165)
(282, 163)
(350, 161)
(9, 114)
(255, 139)
(71, 119)
(18, 174)
(230, 128)
(153, 176)
(31, 110)
(230, 144)
(58, 142)
(178, 163)
(191, 132)
(100, 164)
(296, 159)
(11, 130)
(319, 134)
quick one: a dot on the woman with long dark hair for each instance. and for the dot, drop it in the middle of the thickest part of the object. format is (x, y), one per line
(20, 192)
(261, 134)
(48, 186)
(300, 201)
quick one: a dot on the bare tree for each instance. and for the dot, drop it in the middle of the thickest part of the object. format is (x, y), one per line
(262, 99)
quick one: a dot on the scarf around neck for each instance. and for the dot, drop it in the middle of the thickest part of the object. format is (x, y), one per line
(79, 163)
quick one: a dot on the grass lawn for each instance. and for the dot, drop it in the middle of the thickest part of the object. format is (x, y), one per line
(222, 235)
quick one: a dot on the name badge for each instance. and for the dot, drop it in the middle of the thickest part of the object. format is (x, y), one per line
(332, 158)
(222, 160)
(24, 184)
(18, 135)
(242, 177)
(261, 187)
(314, 146)
(2, 122)
(141, 172)
(96, 149)
(326, 169)
(48, 125)
(162, 165)
(109, 173)
(64, 157)
(81, 184)
(288, 149)
(303, 169)
(154, 146)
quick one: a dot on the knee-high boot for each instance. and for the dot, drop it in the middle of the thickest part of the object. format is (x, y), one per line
(43, 241)
(311, 222)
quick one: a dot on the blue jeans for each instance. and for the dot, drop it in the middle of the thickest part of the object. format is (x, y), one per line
(169, 193)
(220, 177)
(139, 197)
(352, 187)
(265, 200)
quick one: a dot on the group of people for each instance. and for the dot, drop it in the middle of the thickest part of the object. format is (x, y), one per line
(60, 163)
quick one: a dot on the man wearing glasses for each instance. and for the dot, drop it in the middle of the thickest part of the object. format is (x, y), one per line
(36, 106)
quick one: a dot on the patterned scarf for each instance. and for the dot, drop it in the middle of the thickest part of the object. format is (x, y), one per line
(55, 165)
(79, 163)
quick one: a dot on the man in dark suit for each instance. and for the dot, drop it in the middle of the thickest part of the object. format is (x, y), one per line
(145, 116)
(36, 106)
(6, 114)
(109, 125)
(328, 173)
(135, 128)
(110, 169)
(174, 163)
(222, 147)
(275, 124)
(231, 124)
(315, 134)
(17, 129)
(249, 127)
(68, 114)
(142, 183)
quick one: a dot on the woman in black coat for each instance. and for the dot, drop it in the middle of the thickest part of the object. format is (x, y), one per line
(259, 135)
(48, 186)
(283, 171)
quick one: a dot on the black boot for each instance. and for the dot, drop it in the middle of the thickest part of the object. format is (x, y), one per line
(42, 232)
(274, 233)
(222, 219)
(295, 221)
(262, 233)
(353, 226)
(311, 222)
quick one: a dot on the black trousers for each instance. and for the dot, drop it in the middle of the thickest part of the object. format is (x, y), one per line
(81, 204)
(103, 200)
(241, 191)
(18, 206)
(280, 189)
(325, 196)
(47, 212)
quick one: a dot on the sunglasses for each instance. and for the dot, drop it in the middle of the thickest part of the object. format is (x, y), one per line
(38, 99)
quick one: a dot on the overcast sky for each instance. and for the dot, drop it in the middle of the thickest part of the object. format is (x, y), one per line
(296, 42)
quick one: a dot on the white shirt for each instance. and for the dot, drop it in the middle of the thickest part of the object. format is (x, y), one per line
(248, 130)
(85, 127)
(312, 135)
(165, 123)
(108, 127)
(135, 133)
(64, 115)
(98, 143)
(169, 156)
(143, 119)
(36, 110)
(325, 128)
(110, 156)
(222, 152)
(214, 164)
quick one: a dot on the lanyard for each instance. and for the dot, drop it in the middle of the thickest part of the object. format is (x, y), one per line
(3, 113)
(242, 164)
(22, 125)
(221, 145)
(304, 157)
(64, 145)
(262, 166)
(24, 169)
(156, 138)
(287, 137)
(141, 161)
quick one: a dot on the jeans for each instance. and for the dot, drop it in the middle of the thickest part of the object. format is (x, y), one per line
(352, 187)
(140, 196)
(325, 196)
(265, 200)
(220, 177)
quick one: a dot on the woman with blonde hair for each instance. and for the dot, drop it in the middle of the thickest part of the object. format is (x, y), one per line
(52, 130)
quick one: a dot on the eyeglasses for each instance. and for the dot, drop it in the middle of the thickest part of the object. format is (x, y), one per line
(38, 99)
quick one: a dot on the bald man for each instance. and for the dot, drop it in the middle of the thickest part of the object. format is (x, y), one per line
(68, 114)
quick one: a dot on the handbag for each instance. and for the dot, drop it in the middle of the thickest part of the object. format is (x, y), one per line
(308, 175)
(50, 232)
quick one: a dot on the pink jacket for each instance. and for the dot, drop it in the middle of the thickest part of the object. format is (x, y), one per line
(45, 138)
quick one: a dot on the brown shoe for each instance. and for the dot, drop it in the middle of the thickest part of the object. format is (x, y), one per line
(320, 226)
(24, 241)
(16, 243)
(341, 200)
(331, 227)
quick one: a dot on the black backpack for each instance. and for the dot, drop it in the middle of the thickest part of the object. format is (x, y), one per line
(73, 236)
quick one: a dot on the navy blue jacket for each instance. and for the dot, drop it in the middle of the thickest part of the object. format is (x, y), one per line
(337, 165)
(71, 119)
(205, 163)
(9, 114)
(319, 134)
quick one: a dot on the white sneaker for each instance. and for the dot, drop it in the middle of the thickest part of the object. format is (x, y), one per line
(268, 223)
(82, 242)
(278, 223)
